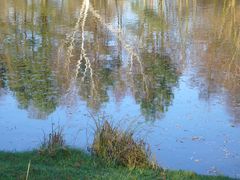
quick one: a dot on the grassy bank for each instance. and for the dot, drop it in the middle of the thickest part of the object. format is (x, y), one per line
(75, 164)
(115, 154)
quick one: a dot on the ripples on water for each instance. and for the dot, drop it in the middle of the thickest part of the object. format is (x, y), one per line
(172, 66)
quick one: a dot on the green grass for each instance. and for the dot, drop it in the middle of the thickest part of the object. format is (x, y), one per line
(75, 164)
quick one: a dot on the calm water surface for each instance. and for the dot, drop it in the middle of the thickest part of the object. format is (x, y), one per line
(170, 69)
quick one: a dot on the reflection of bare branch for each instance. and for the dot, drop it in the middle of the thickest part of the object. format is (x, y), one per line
(88, 65)
(119, 34)
(83, 54)
(228, 31)
(224, 21)
(71, 38)
(73, 90)
(231, 63)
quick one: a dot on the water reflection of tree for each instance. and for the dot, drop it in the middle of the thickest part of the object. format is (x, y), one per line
(2, 74)
(152, 15)
(221, 59)
(161, 77)
(27, 57)
(152, 76)
(90, 58)
(215, 38)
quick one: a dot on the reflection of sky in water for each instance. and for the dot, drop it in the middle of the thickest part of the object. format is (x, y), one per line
(193, 132)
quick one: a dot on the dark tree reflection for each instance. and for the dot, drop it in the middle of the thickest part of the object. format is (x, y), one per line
(28, 50)
(155, 94)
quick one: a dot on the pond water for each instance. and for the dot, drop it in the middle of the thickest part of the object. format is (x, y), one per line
(169, 69)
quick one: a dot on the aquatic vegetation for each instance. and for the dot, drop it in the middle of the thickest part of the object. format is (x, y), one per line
(53, 142)
(119, 147)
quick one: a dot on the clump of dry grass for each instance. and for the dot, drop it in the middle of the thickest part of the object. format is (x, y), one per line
(116, 146)
(53, 142)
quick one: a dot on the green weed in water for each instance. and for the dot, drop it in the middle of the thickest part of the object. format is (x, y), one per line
(119, 147)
